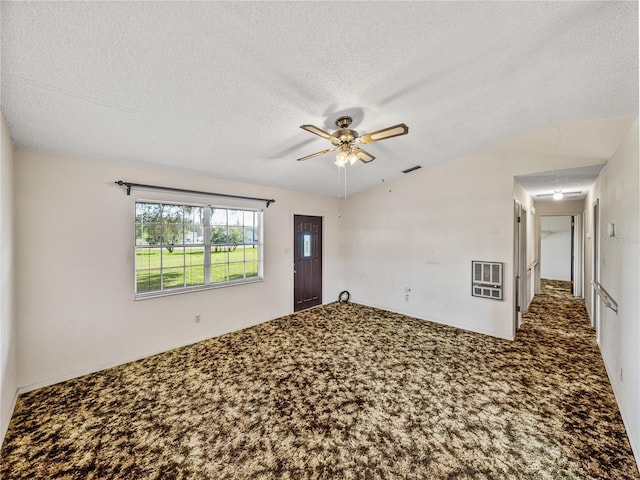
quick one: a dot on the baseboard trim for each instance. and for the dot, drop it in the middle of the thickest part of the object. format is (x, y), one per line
(454, 325)
(99, 368)
(105, 366)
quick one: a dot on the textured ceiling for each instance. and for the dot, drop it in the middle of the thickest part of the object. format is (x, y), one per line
(573, 181)
(221, 88)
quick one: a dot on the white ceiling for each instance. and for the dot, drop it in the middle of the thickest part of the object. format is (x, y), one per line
(575, 182)
(221, 88)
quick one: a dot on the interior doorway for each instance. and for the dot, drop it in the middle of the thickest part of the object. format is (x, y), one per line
(557, 251)
(307, 262)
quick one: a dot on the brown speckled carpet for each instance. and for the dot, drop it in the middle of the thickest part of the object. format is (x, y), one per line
(339, 392)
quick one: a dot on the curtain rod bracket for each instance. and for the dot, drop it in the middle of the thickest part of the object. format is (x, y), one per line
(130, 185)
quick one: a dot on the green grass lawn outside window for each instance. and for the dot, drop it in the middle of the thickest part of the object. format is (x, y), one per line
(189, 246)
(157, 268)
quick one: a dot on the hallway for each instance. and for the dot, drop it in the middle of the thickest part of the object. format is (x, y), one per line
(557, 333)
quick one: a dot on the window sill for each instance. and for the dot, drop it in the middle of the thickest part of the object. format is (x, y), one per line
(181, 291)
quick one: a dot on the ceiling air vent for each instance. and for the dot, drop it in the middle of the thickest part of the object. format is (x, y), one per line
(408, 170)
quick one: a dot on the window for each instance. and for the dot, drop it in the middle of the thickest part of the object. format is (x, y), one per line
(234, 244)
(186, 247)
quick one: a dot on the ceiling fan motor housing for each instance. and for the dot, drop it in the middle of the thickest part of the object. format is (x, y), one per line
(344, 136)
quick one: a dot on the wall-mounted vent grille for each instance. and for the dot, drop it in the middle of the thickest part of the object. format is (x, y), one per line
(412, 169)
(486, 279)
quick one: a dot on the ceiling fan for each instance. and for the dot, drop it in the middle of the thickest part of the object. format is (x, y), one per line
(348, 141)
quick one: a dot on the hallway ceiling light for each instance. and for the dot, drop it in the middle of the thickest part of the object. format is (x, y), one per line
(560, 195)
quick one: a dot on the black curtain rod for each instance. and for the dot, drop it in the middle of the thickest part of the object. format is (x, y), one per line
(130, 185)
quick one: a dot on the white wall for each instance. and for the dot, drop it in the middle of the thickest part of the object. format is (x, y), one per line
(555, 247)
(74, 245)
(617, 190)
(8, 380)
(423, 230)
(560, 207)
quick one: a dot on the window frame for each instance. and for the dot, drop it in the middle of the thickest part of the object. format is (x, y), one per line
(206, 244)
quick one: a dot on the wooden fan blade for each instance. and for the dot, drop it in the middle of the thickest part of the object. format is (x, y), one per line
(395, 131)
(317, 131)
(317, 154)
(362, 155)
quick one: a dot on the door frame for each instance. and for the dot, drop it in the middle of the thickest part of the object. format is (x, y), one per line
(578, 259)
(520, 268)
(290, 252)
(574, 251)
(595, 268)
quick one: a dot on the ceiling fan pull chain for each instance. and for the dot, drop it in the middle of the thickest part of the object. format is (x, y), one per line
(345, 183)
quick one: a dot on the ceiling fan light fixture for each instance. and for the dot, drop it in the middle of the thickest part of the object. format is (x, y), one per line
(558, 195)
(342, 158)
(346, 156)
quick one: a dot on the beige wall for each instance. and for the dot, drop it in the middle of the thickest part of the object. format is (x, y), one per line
(619, 334)
(422, 232)
(75, 302)
(8, 379)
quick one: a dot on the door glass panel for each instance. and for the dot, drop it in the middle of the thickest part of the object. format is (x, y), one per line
(306, 245)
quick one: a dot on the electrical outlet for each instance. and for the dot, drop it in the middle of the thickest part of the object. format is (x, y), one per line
(197, 318)
(621, 379)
